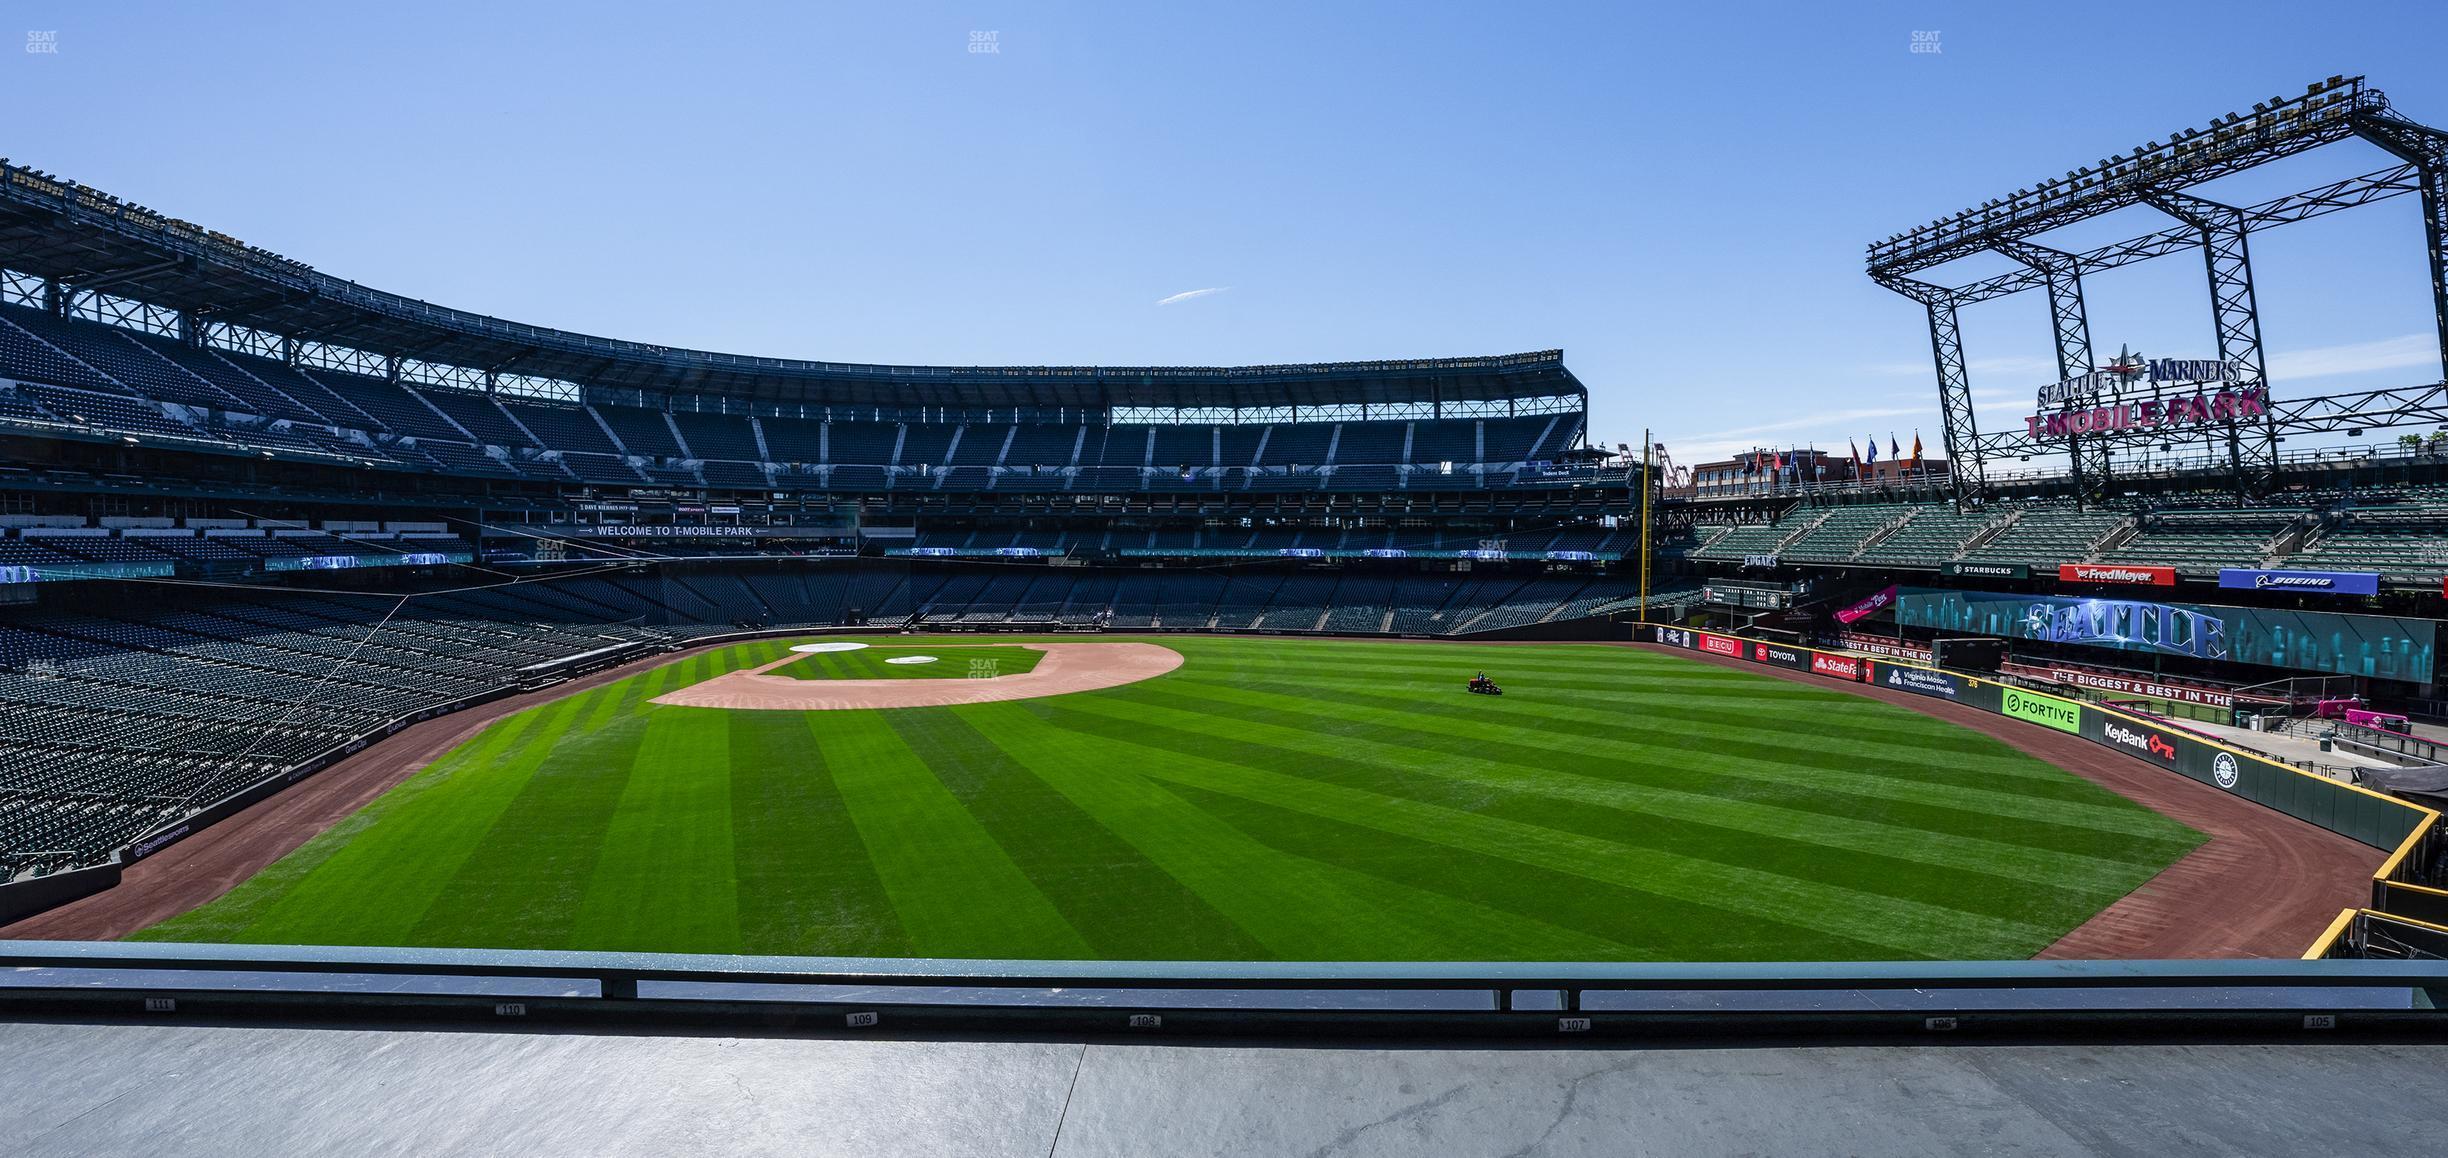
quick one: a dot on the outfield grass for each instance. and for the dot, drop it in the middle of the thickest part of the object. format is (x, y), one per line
(951, 663)
(1284, 799)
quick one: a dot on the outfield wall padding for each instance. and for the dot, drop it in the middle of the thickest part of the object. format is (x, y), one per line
(2381, 821)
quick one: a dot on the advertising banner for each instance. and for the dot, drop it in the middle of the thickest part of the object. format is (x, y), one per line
(2046, 711)
(2375, 646)
(2308, 582)
(1877, 602)
(2128, 573)
(2127, 685)
(2134, 738)
(1721, 645)
(1986, 570)
(1920, 681)
(1843, 667)
(1877, 645)
(1780, 655)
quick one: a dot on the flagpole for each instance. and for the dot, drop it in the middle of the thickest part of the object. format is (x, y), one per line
(1647, 447)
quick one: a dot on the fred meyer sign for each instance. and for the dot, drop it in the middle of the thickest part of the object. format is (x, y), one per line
(2314, 582)
(2116, 573)
(2047, 711)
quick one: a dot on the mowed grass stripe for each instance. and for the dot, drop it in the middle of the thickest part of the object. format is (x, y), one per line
(1911, 927)
(1462, 763)
(1650, 926)
(1699, 847)
(956, 890)
(549, 836)
(1120, 901)
(1798, 773)
(374, 891)
(1301, 909)
(226, 919)
(1840, 721)
(664, 876)
(805, 883)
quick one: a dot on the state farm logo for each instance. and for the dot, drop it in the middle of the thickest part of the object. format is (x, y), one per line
(2223, 769)
(1836, 665)
(1721, 645)
(2151, 744)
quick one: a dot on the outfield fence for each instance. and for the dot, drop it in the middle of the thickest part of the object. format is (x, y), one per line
(2405, 885)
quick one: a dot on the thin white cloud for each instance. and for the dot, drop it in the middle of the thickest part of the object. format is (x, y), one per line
(1186, 295)
(2399, 353)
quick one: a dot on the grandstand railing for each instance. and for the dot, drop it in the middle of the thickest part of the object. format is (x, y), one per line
(890, 996)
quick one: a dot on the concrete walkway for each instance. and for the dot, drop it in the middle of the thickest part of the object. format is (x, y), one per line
(205, 1090)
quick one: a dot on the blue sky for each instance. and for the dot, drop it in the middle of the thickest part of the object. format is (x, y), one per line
(1677, 198)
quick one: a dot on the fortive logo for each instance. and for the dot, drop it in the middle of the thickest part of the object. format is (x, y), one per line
(2043, 710)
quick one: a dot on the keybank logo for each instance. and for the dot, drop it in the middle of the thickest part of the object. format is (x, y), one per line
(2151, 744)
(2047, 712)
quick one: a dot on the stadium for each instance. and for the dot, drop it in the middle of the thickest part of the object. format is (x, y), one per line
(346, 633)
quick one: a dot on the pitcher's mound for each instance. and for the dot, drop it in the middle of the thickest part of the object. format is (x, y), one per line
(1067, 667)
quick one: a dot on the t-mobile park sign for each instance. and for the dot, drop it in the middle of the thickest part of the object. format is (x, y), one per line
(2074, 406)
(2133, 370)
(2227, 407)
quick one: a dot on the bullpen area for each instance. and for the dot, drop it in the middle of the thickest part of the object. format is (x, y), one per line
(1264, 799)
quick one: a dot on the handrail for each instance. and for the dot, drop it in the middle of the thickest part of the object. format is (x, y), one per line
(1512, 998)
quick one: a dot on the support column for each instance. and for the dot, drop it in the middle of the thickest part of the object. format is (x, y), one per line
(2229, 262)
(2426, 149)
(1958, 430)
(2093, 463)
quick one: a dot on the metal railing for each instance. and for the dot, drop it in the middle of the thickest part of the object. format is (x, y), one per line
(1195, 997)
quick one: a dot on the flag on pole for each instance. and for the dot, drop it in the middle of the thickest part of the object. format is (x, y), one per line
(1893, 450)
(1873, 459)
(1916, 448)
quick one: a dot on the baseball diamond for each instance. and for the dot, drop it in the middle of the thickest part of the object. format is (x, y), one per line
(1267, 799)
